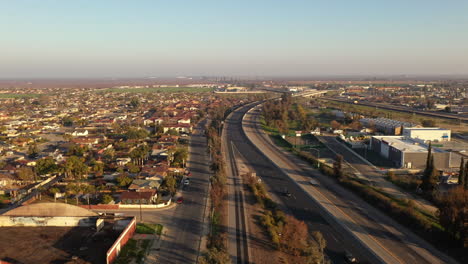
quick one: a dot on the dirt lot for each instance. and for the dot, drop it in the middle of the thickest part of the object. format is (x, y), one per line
(54, 244)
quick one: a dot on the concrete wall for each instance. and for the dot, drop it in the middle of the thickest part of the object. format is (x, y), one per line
(125, 206)
(128, 232)
(47, 221)
(375, 145)
(396, 157)
(384, 150)
(418, 160)
(147, 206)
(442, 160)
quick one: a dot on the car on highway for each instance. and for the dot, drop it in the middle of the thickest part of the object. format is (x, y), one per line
(180, 200)
(186, 182)
(350, 258)
(314, 182)
(286, 193)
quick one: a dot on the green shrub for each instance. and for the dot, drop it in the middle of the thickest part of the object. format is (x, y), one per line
(142, 228)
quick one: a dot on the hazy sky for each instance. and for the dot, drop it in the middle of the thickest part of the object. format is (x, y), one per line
(112, 38)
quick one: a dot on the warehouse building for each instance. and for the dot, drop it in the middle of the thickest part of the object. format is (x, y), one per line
(427, 133)
(385, 125)
(409, 153)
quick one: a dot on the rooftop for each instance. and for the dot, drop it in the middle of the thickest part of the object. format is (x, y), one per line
(426, 128)
(79, 245)
(406, 144)
(386, 122)
(49, 209)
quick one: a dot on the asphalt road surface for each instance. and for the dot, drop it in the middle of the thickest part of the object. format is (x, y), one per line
(182, 240)
(378, 234)
(184, 224)
(299, 204)
(237, 227)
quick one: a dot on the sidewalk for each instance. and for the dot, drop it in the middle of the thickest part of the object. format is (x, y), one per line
(155, 246)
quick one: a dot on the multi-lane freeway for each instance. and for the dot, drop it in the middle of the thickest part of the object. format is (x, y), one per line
(299, 204)
(347, 221)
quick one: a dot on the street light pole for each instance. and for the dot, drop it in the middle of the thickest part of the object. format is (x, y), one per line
(318, 156)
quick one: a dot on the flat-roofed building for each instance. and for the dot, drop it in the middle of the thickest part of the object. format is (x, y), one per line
(427, 133)
(385, 125)
(409, 153)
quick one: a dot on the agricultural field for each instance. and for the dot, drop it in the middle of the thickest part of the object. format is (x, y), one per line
(157, 90)
(15, 95)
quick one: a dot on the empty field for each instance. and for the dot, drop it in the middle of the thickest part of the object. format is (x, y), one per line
(15, 95)
(157, 90)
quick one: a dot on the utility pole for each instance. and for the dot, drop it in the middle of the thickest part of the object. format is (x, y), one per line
(141, 215)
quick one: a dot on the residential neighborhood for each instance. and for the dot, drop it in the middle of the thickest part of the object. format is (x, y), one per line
(101, 147)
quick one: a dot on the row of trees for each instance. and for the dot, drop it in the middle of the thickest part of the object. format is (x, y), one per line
(453, 214)
(463, 174)
(276, 113)
(74, 167)
(77, 189)
(279, 113)
(453, 208)
(287, 234)
(217, 251)
(139, 154)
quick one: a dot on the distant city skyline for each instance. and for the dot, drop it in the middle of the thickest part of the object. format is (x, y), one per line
(112, 39)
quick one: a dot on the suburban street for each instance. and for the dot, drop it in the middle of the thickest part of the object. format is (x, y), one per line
(183, 232)
(186, 223)
(379, 238)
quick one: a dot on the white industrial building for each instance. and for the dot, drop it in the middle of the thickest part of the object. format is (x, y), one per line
(410, 153)
(427, 133)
